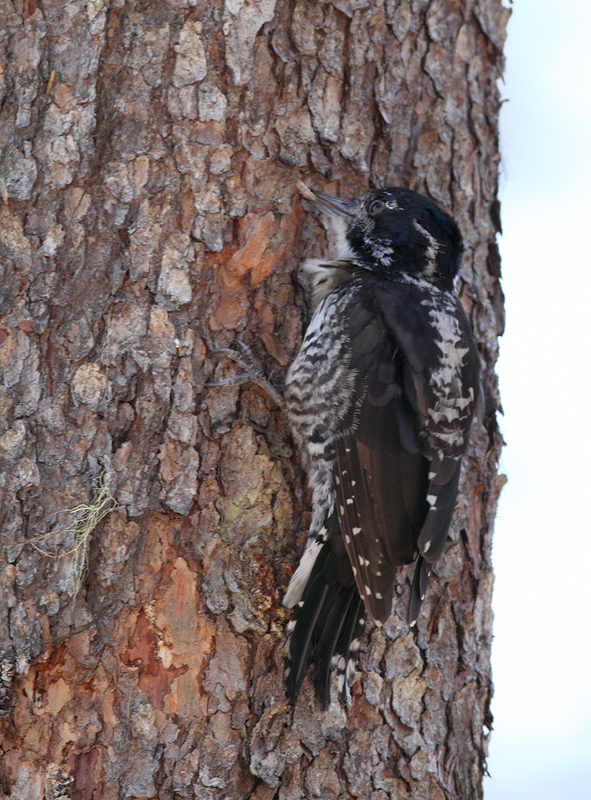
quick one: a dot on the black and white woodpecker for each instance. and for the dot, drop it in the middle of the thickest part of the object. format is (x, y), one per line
(380, 399)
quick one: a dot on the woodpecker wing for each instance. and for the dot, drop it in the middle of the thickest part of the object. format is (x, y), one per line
(398, 459)
(441, 379)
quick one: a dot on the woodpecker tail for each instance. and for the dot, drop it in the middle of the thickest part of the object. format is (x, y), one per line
(324, 629)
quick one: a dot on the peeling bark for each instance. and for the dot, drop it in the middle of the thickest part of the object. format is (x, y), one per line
(149, 157)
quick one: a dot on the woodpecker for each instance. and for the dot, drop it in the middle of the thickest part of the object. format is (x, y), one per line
(380, 399)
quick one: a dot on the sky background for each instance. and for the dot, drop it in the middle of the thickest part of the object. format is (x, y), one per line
(541, 743)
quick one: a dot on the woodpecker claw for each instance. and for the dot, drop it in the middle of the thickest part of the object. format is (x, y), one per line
(236, 380)
(252, 372)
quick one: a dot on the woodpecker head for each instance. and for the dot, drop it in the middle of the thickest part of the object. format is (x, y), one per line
(395, 230)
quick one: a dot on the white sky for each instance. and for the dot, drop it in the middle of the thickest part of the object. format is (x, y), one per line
(541, 744)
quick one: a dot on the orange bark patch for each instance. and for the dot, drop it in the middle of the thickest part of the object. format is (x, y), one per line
(254, 256)
(170, 643)
(26, 325)
(142, 654)
(187, 638)
(58, 694)
(364, 715)
(265, 242)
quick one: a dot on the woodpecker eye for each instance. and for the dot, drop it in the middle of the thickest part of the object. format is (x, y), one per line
(377, 205)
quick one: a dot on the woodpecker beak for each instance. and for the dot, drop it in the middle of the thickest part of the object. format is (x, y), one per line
(327, 202)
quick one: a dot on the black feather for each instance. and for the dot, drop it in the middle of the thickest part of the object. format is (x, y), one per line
(331, 633)
(324, 622)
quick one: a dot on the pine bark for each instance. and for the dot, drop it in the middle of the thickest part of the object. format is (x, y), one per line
(149, 215)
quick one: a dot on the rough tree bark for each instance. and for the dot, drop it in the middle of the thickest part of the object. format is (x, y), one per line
(150, 152)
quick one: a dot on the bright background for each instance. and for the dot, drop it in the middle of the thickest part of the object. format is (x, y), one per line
(541, 743)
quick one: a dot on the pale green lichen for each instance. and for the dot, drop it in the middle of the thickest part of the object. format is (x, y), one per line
(85, 518)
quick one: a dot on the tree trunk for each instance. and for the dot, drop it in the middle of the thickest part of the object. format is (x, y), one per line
(151, 523)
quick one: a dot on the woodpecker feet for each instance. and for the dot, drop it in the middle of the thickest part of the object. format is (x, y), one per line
(252, 372)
